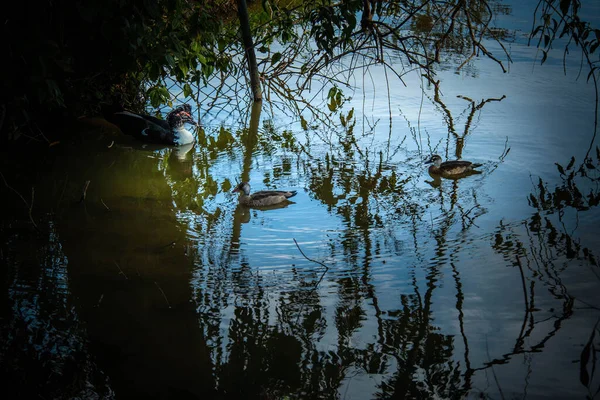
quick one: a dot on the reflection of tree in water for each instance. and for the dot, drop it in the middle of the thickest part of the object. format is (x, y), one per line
(292, 340)
(545, 254)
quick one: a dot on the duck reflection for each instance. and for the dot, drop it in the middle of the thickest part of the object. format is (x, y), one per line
(180, 161)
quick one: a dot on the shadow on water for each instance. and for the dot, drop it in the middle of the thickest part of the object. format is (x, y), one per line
(123, 263)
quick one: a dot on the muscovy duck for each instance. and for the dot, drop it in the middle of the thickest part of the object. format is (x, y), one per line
(170, 131)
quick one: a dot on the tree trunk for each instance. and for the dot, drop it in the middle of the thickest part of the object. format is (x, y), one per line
(249, 47)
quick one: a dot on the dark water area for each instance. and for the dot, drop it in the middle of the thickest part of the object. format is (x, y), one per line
(378, 280)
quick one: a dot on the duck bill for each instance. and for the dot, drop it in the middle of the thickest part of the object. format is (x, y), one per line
(237, 189)
(186, 117)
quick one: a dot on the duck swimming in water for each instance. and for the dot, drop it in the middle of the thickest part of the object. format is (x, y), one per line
(263, 198)
(454, 168)
(170, 131)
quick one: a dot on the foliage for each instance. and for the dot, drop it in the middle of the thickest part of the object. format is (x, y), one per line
(71, 58)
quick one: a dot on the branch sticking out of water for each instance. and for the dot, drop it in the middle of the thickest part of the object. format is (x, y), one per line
(120, 270)
(85, 188)
(29, 205)
(315, 261)
(163, 293)
(310, 259)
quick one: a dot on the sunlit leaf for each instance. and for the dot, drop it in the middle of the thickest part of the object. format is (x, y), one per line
(331, 92)
(183, 68)
(332, 105)
(187, 90)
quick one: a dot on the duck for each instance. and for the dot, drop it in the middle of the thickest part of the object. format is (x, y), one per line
(264, 198)
(454, 168)
(170, 131)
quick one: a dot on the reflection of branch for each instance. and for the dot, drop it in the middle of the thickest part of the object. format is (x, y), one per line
(466, 215)
(487, 350)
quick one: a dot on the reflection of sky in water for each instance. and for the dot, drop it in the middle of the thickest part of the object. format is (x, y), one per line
(464, 284)
(546, 117)
(383, 251)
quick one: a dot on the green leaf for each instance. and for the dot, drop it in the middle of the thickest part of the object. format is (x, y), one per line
(170, 60)
(275, 58)
(183, 68)
(187, 90)
(303, 123)
(332, 92)
(332, 105)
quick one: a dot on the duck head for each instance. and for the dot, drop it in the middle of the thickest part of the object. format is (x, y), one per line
(180, 116)
(243, 187)
(435, 160)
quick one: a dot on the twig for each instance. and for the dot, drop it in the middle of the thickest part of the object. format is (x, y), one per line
(309, 259)
(315, 261)
(85, 188)
(121, 271)
(63, 191)
(29, 205)
(163, 293)
(102, 201)
(100, 300)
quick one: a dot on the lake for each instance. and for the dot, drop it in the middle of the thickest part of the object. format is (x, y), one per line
(147, 279)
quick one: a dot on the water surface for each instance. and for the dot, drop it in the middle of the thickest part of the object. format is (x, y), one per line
(378, 281)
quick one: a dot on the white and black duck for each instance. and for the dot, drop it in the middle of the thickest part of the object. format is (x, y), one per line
(170, 131)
